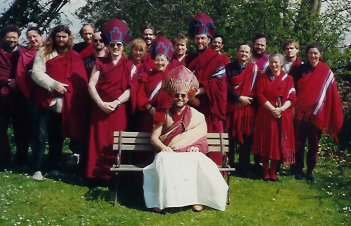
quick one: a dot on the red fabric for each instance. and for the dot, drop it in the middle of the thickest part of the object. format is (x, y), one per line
(241, 119)
(69, 69)
(135, 84)
(181, 123)
(295, 67)
(87, 51)
(274, 138)
(148, 59)
(213, 103)
(24, 72)
(149, 82)
(329, 117)
(175, 62)
(225, 58)
(113, 81)
(8, 64)
(262, 62)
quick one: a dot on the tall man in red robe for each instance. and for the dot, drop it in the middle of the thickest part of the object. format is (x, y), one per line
(109, 87)
(291, 49)
(62, 98)
(241, 109)
(209, 68)
(12, 100)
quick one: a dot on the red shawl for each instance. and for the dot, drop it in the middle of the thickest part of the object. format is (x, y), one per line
(318, 100)
(240, 118)
(180, 125)
(209, 69)
(8, 63)
(24, 71)
(87, 51)
(274, 138)
(262, 63)
(69, 69)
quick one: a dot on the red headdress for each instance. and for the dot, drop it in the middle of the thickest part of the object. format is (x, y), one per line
(163, 46)
(116, 31)
(180, 80)
(202, 24)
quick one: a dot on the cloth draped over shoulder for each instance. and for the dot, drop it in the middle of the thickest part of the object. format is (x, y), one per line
(24, 69)
(190, 130)
(241, 118)
(274, 138)
(318, 100)
(69, 69)
(209, 69)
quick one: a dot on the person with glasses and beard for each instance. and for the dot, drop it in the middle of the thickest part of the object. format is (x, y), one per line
(181, 174)
(98, 52)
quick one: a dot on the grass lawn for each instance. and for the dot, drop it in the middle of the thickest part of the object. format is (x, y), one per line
(24, 201)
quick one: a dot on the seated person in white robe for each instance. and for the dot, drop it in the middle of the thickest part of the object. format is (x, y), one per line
(181, 174)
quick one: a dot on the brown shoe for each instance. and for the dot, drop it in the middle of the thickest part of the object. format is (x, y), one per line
(156, 210)
(197, 208)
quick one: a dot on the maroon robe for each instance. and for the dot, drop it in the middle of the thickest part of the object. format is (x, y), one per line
(263, 62)
(24, 72)
(318, 99)
(113, 81)
(69, 69)
(209, 69)
(274, 138)
(150, 92)
(241, 119)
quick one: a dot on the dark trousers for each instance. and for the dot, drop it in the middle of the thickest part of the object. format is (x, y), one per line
(306, 131)
(244, 151)
(49, 128)
(14, 107)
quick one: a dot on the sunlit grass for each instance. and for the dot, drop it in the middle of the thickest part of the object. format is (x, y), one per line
(253, 202)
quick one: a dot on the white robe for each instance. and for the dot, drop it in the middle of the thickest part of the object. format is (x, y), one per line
(182, 179)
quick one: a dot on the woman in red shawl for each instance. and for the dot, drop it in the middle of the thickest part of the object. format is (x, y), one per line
(318, 108)
(150, 94)
(109, 89)
(274, 131)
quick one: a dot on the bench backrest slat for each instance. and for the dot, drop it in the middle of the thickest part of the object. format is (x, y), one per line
(140, 141)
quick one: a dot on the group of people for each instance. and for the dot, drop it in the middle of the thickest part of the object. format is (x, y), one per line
(269, 104)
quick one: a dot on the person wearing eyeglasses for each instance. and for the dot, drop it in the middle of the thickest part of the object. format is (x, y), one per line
(98, 52)
(62, 99)
(181, 174)
(109, 90)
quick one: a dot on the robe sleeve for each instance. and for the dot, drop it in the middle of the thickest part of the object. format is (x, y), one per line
(216, 91)
(39, 75)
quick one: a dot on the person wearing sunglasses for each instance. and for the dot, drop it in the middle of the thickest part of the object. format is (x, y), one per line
(181, 174)
(98, 52)
(109, 90)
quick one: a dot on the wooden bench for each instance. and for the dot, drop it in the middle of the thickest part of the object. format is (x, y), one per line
(128, 142)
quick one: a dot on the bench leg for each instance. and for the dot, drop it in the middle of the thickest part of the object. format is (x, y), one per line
(228, 193)
(116, 184)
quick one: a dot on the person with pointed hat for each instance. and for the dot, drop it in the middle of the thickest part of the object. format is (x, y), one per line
(209, 68)
(181, 174)
(150, 94)
(109, 90)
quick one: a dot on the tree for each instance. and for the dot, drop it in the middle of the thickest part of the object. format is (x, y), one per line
(24, 12)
